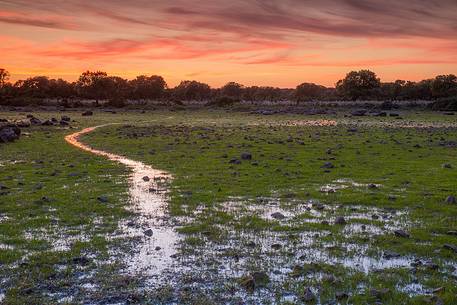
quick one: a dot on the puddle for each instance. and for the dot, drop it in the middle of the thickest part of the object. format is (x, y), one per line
(148, 194)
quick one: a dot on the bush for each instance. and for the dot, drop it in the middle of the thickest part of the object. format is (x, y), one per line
(444, 104)
(223, 101)
(117, 102)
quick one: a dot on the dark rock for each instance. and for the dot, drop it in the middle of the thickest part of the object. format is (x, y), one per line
(148, 232)
(278, 215)
(47, 123)
(103, 199)
(9, 133)
(308, 295)
(451, 200)
(65, 118)
(450, 247)
(81, 260)
(447, 165)
(246, 156)
(35, 121)
(261, 278)
(402, 233)
(146, 178)
(341, 295)
(234, 161)
(328, 165)
(379, 293)
(64, 123)
(276, 246)
(87, 113)
(390, 254)
(340, 220)
(23, 124)
(359, 112)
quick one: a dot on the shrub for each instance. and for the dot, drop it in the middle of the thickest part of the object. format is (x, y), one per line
(444, 104)
(223, 101)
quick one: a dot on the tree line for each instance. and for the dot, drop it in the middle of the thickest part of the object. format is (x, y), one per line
(357, 85)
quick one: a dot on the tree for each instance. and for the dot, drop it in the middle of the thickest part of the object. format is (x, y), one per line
(37, 87)
(308, 91)
(444, 86)
(4, 77)
(94, 85)
(358, 84)
(192, 90)
(148, 87)
(232, 89)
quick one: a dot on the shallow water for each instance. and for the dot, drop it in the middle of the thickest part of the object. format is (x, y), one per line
(149, 198)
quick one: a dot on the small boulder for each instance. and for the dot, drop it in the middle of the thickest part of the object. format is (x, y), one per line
(246, 156)
(451, 200)
(278, 216)
(328, 165)
(308, 295)
(340, 220)
(103, 199)
(87, 113)
(402, 233)
(148, 232)
(146, 178)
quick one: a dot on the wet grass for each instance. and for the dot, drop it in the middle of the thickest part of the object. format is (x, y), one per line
(286, 168)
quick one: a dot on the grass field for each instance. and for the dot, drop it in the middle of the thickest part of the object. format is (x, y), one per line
(280, 209)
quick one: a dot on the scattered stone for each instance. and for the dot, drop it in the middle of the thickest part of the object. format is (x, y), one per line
(234, 161)
(340, 220)
(451, 200)
(103, 199)
(148, 232)
(47, 123)
(278, 215)
(450, 247)
(308, 295)
(390, 254)
(65, 118)
(9, 133)
(372, 186)
(276, 246)
(328, 165)
(379, 293)
(246, 156)
(23, 124)
(35, 121)
(447, 165)
(64, 123)
(341, 295)
(359, 112)
(146, 178)
(87, 113)
(402, 233)
(81, 260)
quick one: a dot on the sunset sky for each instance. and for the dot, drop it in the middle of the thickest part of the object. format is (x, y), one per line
(272, 42)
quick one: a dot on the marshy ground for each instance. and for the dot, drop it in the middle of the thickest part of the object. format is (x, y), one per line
(253, 209)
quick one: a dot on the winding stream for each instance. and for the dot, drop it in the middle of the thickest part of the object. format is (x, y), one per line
(148, 195)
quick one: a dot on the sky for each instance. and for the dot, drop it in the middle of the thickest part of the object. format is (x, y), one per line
(269, 43)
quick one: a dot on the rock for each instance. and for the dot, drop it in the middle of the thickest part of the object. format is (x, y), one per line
(234, 161)
(340, 220)
(246, 156)
(158, 248)
(328, 165)
(402, 233)
(248, 283)
(81, 260)
(450, 247)
(359, 112)
(341, 295)
(64, 123)
(23, 124)
(261, 278)
(148, 232)
(65, 118)
(451, 200)
(394, 114)
(278, 215)
(35, 121)
(3, 187)
(146, 178)
(87, 113)
(447, 165)
(276, 246)
(9, 133)
(103, 199)
(372, 186)
(308, 295)
(47, 123)
(379, 293)
(390, 254)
